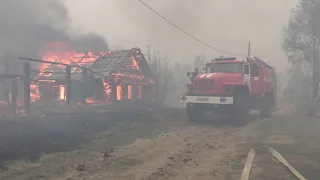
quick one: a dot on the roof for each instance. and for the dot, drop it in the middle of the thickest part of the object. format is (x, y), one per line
(108, 63)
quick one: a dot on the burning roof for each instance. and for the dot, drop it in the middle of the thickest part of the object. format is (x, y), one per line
(104, 64)
(119, 74)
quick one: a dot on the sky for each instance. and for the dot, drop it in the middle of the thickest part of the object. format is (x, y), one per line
(227, 25)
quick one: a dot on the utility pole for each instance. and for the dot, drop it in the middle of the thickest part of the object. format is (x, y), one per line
(249, 50)
(314, 73)
(315, 63)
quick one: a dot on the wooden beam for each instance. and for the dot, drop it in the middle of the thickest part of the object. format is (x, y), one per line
(68, 81)
(27, 105)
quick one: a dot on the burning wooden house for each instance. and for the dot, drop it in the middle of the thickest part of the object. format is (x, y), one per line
(111, 77)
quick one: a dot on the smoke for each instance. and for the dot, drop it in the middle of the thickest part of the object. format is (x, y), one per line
(27, 25)
(225, 24)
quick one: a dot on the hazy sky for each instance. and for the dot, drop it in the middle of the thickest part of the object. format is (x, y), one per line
(225, 24)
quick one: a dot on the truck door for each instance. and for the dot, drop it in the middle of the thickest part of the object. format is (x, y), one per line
(246, 73)
(254, 75)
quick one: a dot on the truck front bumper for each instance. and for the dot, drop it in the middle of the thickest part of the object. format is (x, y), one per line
(207, 99)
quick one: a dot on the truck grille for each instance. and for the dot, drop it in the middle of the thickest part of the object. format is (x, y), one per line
(204, 85)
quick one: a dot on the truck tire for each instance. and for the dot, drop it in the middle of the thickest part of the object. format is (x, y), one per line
(241, 110)
(266, 110)
(195, 112)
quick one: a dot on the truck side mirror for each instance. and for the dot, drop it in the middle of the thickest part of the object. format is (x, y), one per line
(188, 73)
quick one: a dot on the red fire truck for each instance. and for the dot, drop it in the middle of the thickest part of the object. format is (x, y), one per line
(231, 87)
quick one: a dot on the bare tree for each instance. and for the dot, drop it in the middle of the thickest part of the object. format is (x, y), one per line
(162, 70)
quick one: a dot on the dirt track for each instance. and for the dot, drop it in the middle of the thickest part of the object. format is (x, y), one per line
(172, 148)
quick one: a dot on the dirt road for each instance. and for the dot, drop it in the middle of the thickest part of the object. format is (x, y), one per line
(176, 149)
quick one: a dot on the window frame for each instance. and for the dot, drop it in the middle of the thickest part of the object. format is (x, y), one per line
(240, 64)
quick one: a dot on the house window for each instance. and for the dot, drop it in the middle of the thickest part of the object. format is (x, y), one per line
(139, 92)
(129, 92)
(119, 93)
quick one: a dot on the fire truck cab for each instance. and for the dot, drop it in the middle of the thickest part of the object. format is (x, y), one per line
(232, 87)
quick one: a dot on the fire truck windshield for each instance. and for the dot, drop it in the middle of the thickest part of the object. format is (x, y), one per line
(234, 67)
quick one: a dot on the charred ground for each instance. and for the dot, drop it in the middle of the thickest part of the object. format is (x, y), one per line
(32, 136)
(162, 145)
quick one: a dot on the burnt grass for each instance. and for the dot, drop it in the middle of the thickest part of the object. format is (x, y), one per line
(32, 136)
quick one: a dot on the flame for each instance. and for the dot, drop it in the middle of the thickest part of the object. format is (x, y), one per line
(89, 101)
(34, 92)
(119, 93)
(62, 92)
(63, 53)
(129, 92)
(135, 64)
(107, 91)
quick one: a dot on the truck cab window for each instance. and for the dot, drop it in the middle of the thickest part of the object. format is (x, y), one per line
(246, 69)
(228, 67)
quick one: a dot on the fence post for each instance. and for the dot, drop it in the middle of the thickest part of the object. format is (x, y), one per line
(68, 82)
(85, 84)
(26, 80)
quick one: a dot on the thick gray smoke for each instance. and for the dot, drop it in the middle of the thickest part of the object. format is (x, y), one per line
(27, 25)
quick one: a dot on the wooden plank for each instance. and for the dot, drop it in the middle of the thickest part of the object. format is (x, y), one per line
(278, 156)
(247, 167)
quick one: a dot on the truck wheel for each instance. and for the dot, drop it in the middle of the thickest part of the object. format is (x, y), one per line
(195, 112)
(241, 110)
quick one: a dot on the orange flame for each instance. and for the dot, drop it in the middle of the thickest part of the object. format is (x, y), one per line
(89, 101)
(63, 53)
(62, 92)
(129, 92)
(119, 93)
(107, 91)
(34, 92)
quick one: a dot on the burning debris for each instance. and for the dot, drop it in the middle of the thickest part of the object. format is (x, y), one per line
(108, 77)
